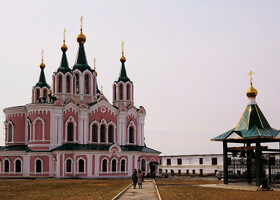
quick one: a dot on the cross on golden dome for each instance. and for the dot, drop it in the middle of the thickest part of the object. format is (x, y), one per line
(81, 20)
(122, 59)
(42, 54)
(251, 76)
(122, 45)
(64, 47)
(42, 65)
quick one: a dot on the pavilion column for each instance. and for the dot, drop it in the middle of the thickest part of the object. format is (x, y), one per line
(258, 164)
(225, 162)
(249, 158)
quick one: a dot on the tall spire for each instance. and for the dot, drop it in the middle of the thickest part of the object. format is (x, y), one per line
(81, 60)
(123, 76)
(42, 79)
(64, 67)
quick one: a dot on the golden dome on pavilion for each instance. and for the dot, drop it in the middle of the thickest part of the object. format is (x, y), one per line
(42, 65)
(251, 92)
(81, 39)
(123, 59)
(64, 47)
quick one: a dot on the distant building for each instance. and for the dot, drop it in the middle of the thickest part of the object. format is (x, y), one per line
(209, 164)
(71, 129)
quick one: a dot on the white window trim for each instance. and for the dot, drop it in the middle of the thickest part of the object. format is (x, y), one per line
(21, 166)
(78, 169)
(70, 120)
(42, 165)
(34, 128)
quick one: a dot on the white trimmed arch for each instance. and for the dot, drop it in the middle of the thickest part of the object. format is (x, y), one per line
(21, 164)
(70, 120)
(9, 132)
(35, 166)
(111, 164)
(72, 165)
(114, 131)
(34, 127)
(131, 124)
(90, 130)
(106, 166)
(77, 165)
(125, 162)
(4, 166)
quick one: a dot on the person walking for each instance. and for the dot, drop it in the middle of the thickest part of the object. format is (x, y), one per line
(139, 179)
(134, 178)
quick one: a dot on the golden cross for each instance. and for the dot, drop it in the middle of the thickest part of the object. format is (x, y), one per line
(42, 53)
(122, 45)
(94, 64)
(251, 77)
(81, 20)
(64, 32)
(101, 89)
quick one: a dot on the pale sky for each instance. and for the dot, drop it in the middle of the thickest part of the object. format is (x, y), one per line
(188, 60)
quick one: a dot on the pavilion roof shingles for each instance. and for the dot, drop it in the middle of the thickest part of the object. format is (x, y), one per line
(252, 124)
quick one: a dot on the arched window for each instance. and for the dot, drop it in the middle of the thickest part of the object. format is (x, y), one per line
(28, 131)
(94, 133)
(38, 166)
(18, 166)
(69, 165)
(111, 134)
(45, 94)
(114, 165)
(59, 83)
(123, 165)
(93, 88)
(86, 84)
(7, 166)
(68, 82)
(102, 134)
(127, 92)
(104, 165)
(70, 134)
(131, 135)
(115, 93)
(10, 133)
(77, 84)
(143, 165)
(37, 94)
(121, 91)
(81, 165)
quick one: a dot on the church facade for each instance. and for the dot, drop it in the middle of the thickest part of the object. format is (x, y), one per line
(71, 129)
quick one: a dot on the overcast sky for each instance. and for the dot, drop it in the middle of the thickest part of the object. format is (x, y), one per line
(188, 60)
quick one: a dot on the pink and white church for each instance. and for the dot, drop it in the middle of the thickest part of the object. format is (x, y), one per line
(71, 129)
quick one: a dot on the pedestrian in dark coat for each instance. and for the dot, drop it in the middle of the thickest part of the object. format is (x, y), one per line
(134, 178)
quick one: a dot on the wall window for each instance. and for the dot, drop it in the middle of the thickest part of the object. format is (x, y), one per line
(68, 83)
(187, 172)
(38, 166)
(111, 134)
(102, 134)
(28, 131)
(143, 165)
(94, 133)
(7, 166)
(201, 161)
(104, 165)
(86, 84)
(168, 161)
(131, 135)
(114, 165)
(121, 91)
(69, 165)
(37, 94)
(193, 171)
(179, 172)
(81, 165)
(128, 92)
(123, 165)
(179, 161)
(77, 84)
(18, 166)
(115, 92)
(214, 161)
(45, 94)
(59, 83)
(70, 132)
(10, 133)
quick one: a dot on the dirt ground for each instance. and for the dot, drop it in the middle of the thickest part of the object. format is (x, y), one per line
(54, 189)
(188, 189)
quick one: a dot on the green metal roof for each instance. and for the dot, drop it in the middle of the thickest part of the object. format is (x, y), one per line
(42, 80)
(123, 76)
(82, 147)
(64, 67)
(252, 124)
(81, 61)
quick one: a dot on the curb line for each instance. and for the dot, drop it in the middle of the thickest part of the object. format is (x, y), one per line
(118, 195)
(158, 194)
